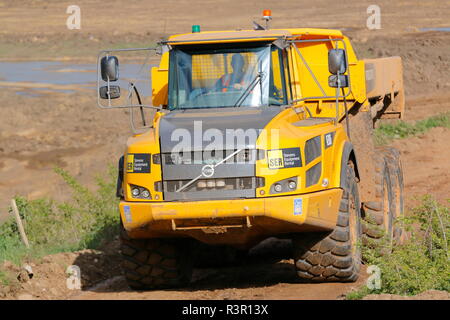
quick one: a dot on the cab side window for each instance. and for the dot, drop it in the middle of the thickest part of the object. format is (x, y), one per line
(277, 89)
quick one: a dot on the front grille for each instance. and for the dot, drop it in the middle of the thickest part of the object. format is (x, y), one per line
(243, 183)
(233, 178)
(211, 157)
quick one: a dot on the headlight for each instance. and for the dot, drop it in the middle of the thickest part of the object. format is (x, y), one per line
(135, 192)
(278, 187)
(292, 185)
(285, 185)
(138, 192)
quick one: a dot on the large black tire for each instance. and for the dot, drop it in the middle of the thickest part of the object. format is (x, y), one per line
(378, 215)
(156, 263)
(335, 256)
(392, 156)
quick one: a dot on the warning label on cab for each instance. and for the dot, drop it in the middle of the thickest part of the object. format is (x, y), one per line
(138, 163)
(284, 158)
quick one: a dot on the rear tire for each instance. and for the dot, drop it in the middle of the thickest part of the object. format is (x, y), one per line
(335, 256)
(396, 174)
(378, 215)
(155, 263)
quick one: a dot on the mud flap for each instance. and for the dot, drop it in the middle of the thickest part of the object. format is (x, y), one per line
(119, 187)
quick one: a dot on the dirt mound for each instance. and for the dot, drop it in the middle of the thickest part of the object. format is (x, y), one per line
(46, 278)
(427, 295)
(424, 55)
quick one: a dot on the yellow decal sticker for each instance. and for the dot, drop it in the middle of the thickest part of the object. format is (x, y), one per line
(130, 162)
(275, 158)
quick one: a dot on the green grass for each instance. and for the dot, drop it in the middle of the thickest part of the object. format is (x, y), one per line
(4, 278)
(358, 294)
(89, 220)
(420, 264)
(401, 129)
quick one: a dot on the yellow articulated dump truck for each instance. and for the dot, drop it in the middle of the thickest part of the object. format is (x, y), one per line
(255, 134)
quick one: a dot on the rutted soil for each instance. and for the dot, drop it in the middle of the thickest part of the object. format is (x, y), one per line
(426, 165)
(67, 130)
(47, 277)
(267, 273)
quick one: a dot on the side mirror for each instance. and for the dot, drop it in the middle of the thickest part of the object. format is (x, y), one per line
(113, 93)
(335, 81)
(337, 62)
(109, 67)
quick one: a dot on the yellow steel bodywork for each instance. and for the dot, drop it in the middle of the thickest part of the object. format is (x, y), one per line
(160, 79)
(214, 221)
(271, 214)
(217, 221)
(302, 82)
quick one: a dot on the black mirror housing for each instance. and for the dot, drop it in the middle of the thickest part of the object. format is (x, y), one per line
(113, 93)
(334, 79)
(109, 67)
(337, 62)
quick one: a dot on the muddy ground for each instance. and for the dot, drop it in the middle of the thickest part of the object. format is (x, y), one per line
(39, 132)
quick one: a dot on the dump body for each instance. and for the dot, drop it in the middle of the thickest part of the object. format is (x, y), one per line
(384, 79)
(291, 176)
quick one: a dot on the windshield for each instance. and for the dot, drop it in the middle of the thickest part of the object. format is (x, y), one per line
(229, 77)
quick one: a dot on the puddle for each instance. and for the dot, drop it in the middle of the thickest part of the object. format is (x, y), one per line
(35, 78)
(37, 92)
(445, 29)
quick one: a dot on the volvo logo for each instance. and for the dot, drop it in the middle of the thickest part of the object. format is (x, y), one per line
(208, 171)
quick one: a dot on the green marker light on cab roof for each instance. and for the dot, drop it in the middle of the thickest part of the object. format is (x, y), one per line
(195, 28)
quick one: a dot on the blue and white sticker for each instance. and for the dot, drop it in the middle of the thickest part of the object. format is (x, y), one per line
(127, 213)
(298, 206)
(329, 137)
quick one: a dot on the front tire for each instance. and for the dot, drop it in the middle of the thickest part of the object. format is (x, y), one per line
(155, 263)
(335, 256)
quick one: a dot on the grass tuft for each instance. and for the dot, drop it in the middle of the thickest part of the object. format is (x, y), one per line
(399, 130)
(89, 220)
(422, 262)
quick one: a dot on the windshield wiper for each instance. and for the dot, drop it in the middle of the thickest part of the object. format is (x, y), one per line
(250, 87)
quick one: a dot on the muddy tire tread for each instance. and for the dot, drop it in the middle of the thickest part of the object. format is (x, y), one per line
(328, 257)
(155, 263)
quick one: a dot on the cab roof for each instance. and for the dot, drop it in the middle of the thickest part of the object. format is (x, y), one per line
(252, 35)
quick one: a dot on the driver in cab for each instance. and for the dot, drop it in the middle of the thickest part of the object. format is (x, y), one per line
(235, 79)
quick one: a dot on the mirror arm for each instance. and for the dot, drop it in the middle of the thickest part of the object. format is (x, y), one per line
(138, 96)
(337, 100)
(109, 93)
(347, 120)
(140, 108)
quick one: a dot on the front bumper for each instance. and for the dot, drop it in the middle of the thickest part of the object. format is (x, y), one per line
(243, 218)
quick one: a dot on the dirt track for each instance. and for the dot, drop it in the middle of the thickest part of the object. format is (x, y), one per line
(67, 130)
